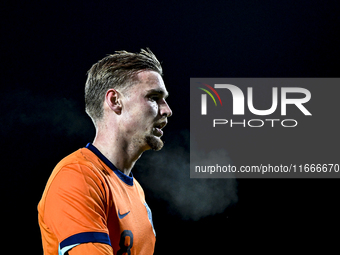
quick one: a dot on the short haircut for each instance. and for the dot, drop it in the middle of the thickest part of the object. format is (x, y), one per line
(117, 71)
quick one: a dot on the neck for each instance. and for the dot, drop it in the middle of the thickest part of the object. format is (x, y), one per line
(120, 153)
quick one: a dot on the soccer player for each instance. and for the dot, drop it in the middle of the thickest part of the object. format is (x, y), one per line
(92, 204)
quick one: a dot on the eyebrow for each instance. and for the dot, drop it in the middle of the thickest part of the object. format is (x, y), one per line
(165, 94)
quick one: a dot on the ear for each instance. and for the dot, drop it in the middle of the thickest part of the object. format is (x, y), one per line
(113, 100)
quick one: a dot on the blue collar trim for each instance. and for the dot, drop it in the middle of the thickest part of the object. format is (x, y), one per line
(127, 179)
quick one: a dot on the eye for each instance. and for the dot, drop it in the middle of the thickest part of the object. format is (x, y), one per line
(154, 98)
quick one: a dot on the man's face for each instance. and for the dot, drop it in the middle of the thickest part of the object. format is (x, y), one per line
(145, 111)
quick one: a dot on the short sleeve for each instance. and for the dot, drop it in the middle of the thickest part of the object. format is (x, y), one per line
(75, 208)
(91, 249)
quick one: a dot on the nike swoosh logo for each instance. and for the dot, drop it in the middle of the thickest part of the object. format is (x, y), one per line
(121, 216)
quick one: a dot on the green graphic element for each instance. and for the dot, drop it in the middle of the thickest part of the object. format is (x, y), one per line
(209, 95)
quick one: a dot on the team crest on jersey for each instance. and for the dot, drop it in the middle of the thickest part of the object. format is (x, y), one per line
(150, 216)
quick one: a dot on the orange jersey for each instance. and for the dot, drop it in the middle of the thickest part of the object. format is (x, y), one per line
(88, 200)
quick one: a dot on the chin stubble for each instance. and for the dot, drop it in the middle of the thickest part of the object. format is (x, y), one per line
(155, 143)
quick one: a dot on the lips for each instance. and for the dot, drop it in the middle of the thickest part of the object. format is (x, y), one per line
(157, 132)
(158, 128)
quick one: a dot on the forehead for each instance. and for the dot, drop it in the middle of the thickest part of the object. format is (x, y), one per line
(150, 81)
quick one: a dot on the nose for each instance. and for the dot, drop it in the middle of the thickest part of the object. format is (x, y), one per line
(165, 109)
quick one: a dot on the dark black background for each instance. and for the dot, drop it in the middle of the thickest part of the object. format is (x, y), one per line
(46, 49)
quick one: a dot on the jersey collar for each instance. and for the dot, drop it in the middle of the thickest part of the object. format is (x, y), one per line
(126, 179)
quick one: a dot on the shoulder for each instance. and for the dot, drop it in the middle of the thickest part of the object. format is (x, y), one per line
(138, 186)
(75, 178)
(81, 161)
(78, 170)
(73, 163)
(78, 157)
(139, 189)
